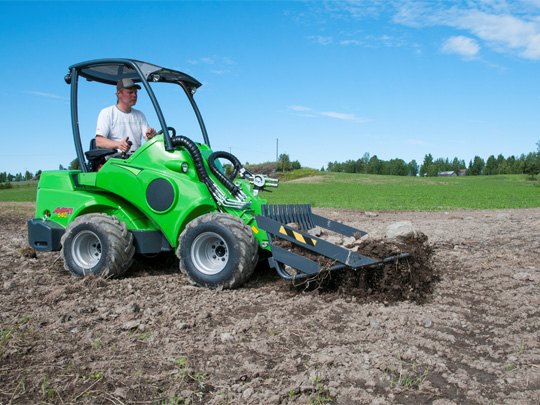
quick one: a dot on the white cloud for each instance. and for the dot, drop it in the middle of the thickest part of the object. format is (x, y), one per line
(321, 40)
(504, 32)
(377, 41)
(339, 116)
(503, 26)
(464, 46)
(343, 116)
(299, 108)
(331, 114)
(37, 93)
(212, 60)
(351, 42)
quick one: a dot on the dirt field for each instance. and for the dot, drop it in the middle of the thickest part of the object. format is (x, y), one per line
(463, 327)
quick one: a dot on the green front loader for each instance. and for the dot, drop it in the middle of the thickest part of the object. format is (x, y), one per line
(172, 196)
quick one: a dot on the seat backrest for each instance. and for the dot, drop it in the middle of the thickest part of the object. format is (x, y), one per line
(96, 156)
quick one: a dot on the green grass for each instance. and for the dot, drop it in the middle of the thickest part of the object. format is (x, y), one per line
(19, 193)
(297, 174)
(372, 192)
(401, 378)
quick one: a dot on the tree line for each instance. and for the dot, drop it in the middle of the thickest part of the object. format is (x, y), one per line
(8, 177)
(523, 164)
(374, 165)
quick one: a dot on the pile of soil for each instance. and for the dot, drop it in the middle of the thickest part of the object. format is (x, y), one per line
(407, 278)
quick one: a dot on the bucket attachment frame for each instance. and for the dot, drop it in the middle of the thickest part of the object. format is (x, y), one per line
(275, 219)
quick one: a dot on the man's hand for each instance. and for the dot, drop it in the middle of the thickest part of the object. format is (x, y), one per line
(124, 146)
(150, 133)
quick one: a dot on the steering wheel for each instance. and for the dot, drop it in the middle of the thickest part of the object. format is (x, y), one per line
(168, 129)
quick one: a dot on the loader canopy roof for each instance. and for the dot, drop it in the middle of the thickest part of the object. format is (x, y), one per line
(109, 71)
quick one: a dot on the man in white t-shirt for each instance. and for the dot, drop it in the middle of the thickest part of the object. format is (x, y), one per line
(120, 123)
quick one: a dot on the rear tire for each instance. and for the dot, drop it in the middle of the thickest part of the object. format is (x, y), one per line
(97, 244)
(217, 251)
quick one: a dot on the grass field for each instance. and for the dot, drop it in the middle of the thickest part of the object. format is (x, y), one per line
(372, 192)
(20, 193)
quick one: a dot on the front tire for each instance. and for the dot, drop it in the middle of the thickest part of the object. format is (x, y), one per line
(217, 251)
(97, 244)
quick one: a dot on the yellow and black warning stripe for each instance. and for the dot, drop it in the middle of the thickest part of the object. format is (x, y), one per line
(299, 237)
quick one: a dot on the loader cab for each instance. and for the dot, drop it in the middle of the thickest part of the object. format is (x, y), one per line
(109, 72)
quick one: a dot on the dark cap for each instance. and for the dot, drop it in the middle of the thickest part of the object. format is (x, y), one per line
(126, 84)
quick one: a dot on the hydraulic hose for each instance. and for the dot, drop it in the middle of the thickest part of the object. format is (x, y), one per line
(198, 160)
(230, 157)
(226, 181)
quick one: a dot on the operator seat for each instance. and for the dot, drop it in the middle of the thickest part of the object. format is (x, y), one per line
(96, 156)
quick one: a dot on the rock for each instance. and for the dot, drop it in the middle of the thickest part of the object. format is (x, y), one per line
(349, 242)
(428, 323)
(523, 276)
(336, 240)
(181, 325)
(120, 392)
(317, 231)
(142, 327)
(401, 231)
(187, 394)
(366, 238)
(129, 325)
(370, 214)
(324, 358)
(226, 337)
(248, 393)
(374, 324)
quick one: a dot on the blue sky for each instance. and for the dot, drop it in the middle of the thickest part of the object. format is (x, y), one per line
(325, 80)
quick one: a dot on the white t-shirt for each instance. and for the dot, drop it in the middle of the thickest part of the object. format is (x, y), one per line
(116, 125)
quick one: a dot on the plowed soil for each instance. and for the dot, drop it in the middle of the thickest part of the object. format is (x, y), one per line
(458, 322)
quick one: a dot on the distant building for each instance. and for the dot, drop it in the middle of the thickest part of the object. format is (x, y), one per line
(446, 174)
(463, 172)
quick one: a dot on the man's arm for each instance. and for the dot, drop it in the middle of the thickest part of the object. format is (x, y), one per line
(106, 143)
(150, 133)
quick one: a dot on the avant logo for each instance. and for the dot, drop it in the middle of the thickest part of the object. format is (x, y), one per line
(63, 212)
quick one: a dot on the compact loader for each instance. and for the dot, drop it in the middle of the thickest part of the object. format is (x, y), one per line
(172, 195)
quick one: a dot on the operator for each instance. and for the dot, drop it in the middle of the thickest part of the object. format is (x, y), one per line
(120, 123)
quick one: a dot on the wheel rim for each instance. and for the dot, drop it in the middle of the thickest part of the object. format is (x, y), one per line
(209, 253)
(86, 249)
